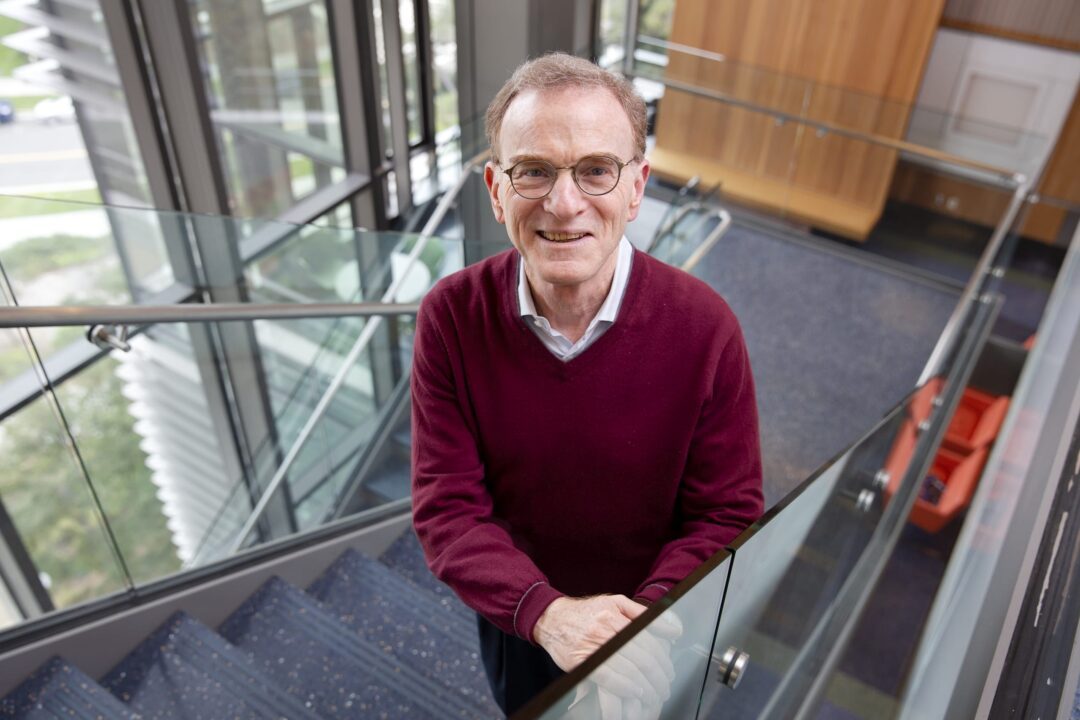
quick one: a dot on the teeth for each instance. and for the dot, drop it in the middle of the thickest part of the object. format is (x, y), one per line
(562, 237)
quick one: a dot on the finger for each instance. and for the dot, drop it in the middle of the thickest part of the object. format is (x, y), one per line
(654, 685)
(628, 607)
(610, 705)
(658, 650)
(620, 670)
(668, 626)
(651, 668)
(621, 683)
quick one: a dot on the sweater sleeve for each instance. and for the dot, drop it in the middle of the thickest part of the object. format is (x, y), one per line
(720, 492)
(466, 546)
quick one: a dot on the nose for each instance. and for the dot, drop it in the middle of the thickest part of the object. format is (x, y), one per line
(565, 199)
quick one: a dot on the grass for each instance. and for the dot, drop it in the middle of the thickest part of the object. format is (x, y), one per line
(26, 103)
(10, 59)
(30, 258)
(12, 206)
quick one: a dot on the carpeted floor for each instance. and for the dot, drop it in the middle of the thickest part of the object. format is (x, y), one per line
(836, 339)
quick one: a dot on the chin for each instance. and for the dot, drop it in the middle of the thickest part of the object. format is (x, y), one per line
(564, 273)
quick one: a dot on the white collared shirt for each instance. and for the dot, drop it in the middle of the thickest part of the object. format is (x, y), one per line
(559, 345)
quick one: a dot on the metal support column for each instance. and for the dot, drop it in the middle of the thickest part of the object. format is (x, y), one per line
(399, 116)
(229, 358)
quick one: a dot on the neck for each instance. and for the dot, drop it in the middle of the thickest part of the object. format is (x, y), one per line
(570, 308)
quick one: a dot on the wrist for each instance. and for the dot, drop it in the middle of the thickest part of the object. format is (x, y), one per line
(543, 630)
(532, 605)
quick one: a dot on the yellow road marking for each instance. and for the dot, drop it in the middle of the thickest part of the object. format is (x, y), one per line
(10, 158)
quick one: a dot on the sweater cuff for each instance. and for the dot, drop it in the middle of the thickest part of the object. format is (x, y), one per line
(651, 593)
(531, 606)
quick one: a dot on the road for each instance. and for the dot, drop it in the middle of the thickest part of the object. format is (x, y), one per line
(35, 157)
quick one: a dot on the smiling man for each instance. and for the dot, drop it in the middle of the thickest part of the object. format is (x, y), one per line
(584, 425)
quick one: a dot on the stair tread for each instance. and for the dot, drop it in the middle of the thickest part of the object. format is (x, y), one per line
(184, 669)
(299, 642)
(58, 689)
(435, 633)
(390, 481)
(365, 594)
(406, 558)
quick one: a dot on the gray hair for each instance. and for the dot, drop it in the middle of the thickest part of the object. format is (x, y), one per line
(559, 70)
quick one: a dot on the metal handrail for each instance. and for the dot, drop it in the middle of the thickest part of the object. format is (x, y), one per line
(974, 285)
(899, 145)
(711, 239)
(346, 365)
(49, 316)
(1023, 185)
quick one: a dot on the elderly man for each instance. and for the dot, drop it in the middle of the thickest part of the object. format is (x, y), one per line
(584, 425)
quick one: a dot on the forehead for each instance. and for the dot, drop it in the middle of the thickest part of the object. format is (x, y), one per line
(565, 124)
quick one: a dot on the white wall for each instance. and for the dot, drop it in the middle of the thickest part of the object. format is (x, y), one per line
(998, 101)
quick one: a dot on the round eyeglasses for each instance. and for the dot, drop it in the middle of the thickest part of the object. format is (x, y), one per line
(595, 175)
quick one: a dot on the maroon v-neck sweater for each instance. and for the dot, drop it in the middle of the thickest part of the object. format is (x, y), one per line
(619, 471)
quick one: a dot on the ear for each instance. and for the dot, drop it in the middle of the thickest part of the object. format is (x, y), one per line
(640, 178)
(492, 180)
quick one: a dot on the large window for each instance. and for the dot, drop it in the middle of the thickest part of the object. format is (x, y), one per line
(69, 133)
(270, 87)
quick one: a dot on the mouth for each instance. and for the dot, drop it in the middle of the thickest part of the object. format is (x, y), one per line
(560, 237)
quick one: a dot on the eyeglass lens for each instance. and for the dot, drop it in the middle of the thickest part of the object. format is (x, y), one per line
(595, 175)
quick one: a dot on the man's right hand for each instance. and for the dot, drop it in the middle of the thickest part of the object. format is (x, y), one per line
(571, 629)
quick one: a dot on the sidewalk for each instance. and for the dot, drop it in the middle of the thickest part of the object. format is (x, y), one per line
(12, 87)
(79, 223)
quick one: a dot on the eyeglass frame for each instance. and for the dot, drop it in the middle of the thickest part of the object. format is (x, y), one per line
(573, 175)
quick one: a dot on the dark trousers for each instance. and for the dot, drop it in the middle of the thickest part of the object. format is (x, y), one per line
(517, 670)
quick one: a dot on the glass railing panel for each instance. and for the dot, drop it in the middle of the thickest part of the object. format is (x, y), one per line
(129, 255)
(803, 618)
(58, 549)
(750, 162)
(850, 178)
(864, 332)
(72, 253)
(788, 568)
(68, 253)
(935, 130)
(309, 358)
(868, 668)
(186, 424)
(178, 437)
(972, 604)
(653, 669)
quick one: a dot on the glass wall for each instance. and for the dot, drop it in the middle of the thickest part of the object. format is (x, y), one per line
(70, 131)
(270, 86)
(154, 449)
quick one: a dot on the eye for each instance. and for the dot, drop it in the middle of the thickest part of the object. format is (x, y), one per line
(596, 167)
(532, 171)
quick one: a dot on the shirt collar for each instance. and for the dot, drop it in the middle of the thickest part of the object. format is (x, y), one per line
(610, 307)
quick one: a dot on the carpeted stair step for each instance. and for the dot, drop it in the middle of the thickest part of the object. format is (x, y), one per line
(58, 689)
(185, 670)
(390, 479)
(406, 558)
(314, 656)
(434, 634)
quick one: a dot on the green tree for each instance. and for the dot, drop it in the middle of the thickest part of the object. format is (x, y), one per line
(44, 490)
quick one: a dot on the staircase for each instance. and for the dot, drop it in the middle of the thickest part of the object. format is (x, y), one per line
(369, 638)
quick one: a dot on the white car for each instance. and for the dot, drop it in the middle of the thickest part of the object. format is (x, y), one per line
(54, 110)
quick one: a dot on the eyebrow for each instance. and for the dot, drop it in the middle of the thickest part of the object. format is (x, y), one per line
(515, 159)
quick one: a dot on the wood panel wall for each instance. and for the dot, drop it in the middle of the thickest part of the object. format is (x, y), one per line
(1047, 22)
(856, 64)
(985, 206)
(1061, 181)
